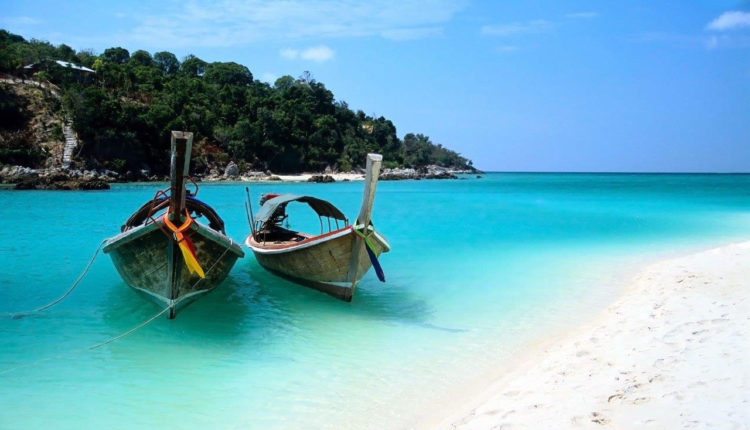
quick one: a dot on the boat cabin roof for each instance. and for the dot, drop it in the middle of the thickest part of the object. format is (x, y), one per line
(276, 206)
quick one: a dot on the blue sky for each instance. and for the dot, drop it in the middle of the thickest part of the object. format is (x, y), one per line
(516, 86)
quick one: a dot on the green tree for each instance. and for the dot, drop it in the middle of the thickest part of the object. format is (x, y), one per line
(193, 66)
(166, 62)
(124, 113)
(224, 74)
(116, 55)
(141, 58)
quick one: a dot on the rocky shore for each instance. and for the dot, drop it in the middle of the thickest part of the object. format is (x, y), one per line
(26, 178)
(428, 172)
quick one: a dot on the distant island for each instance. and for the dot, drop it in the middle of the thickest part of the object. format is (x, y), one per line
(115, 111)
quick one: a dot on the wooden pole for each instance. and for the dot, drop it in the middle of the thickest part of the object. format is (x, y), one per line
(363, 219)
(249, 207)
(182, 145)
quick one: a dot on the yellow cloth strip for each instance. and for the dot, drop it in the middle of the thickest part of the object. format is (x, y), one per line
(190, 261)
(366, 239)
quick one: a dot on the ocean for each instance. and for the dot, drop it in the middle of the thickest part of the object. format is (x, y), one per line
(479, 269)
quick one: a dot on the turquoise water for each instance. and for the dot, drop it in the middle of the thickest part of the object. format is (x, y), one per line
(478, 268)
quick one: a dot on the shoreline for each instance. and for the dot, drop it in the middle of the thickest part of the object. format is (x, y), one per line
(25, 178)
(667, 353)
(296, 177)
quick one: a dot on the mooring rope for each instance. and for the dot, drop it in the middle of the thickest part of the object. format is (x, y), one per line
(66, 294)
(132, 330)
(119, 336)
(91, 347)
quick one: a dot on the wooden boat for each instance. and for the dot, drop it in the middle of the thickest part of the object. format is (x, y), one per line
(163, 241)
(333, 261)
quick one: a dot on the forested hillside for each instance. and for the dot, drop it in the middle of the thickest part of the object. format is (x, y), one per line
(124, 111)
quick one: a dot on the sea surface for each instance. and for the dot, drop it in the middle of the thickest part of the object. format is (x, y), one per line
(479, 269)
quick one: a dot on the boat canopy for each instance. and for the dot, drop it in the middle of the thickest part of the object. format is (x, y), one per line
(276, 206)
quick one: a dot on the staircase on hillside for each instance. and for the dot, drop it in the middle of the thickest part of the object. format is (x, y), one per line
(70, 144)
(71, 141)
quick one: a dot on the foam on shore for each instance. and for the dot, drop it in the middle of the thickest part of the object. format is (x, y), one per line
(671, 352)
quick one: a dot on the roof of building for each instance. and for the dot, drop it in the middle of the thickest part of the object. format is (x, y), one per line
(64, 64)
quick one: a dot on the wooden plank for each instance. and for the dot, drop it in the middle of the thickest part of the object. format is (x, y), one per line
(144, 266)
(182, 144)
(365, 212)
(151, 262)
(320, 265)
(326, 261)
(332, 262)
(371, 182)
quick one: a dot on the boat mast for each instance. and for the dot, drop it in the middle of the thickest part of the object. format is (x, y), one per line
(182, 144)
(363, 219)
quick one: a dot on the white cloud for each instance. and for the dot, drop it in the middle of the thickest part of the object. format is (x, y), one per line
(318, 53)
(535, 26)
(289, 53)
(582, 15)
(730, 21)
(239, 22)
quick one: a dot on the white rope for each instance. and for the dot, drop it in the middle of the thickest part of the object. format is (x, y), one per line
(148, 321)
(97, 345)
(132, 330)
(16, 315)
(119, 336)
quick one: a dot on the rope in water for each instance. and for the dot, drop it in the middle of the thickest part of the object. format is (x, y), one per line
(66, 294)
(132, 330)
(119, 336)
(97, 345)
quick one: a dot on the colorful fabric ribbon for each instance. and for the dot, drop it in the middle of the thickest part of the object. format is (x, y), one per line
(370, 248)
(185, 244)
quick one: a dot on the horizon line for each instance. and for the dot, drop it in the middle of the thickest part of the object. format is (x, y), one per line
(581, 172)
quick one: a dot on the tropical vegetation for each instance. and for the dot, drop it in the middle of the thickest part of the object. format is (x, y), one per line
(124, 111)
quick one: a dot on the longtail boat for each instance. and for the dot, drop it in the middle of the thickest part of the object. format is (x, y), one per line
(332, 261)
(164, 250)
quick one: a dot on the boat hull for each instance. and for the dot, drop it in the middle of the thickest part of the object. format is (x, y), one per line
(150, 262)
(321, 262)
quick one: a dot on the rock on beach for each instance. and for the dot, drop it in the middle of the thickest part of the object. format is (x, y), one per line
(26, 178)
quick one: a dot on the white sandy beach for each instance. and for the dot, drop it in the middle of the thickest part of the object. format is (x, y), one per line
(303, 177)
(299, 177)
(672, 352)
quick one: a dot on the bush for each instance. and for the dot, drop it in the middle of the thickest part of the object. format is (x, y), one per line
(57, 132)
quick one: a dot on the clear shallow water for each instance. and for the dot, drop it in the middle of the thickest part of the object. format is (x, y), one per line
(478, 267)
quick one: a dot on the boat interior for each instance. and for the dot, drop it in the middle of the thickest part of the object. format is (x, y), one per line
(268, 224)
(196, 208)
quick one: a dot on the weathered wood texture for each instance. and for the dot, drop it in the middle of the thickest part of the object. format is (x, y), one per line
(363, 219)
(143, 262)
(182, 146)
(324, 266)
(371, 183)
